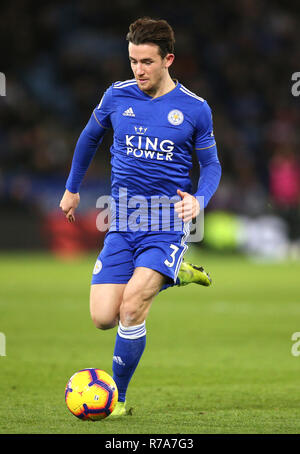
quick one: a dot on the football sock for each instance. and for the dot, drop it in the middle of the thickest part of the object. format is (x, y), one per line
(129, 347)
(169, 284)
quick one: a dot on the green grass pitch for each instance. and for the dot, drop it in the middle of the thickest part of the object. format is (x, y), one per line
(218, 360)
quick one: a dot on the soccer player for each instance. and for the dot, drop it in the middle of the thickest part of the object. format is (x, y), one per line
(157, 125)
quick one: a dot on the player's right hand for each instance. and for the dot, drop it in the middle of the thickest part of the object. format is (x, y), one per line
(69, 203)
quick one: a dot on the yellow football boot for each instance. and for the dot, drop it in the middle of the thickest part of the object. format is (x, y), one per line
(189, 274)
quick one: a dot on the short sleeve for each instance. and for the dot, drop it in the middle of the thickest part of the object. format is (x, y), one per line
(104, 109)
(204, 137)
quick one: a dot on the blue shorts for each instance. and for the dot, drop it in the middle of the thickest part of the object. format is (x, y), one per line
(124, 251)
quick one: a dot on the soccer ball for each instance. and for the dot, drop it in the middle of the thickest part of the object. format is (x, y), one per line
(91, 394)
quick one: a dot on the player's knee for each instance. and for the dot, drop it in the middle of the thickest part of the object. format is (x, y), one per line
(133, 309)
(102, 322)
(129, 316)
(103, 312)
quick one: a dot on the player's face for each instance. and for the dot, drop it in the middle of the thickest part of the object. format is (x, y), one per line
(149, 69)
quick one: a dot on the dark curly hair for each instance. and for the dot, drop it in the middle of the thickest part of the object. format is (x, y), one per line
(155, 31)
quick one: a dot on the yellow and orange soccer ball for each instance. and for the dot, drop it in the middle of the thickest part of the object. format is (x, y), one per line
(91, 394)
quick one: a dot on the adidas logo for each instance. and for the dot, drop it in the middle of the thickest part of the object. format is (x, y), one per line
(129, 113)
(118, 360)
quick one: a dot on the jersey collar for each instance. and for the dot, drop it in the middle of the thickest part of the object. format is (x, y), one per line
(162, 96)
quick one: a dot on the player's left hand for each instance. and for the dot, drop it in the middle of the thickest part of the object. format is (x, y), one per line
(187, 208)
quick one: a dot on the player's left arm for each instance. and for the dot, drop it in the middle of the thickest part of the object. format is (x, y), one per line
(210, 168)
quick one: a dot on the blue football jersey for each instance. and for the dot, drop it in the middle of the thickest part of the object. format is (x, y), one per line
(154, 138)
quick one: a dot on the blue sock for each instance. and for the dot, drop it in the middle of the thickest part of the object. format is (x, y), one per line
(169, 283)
(129, 347)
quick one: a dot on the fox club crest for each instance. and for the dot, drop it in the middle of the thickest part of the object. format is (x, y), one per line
(175, 117)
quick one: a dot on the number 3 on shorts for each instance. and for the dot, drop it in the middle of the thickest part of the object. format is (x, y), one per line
(172, 255)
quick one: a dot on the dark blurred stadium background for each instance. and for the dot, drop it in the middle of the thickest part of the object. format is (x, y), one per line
(59, 57)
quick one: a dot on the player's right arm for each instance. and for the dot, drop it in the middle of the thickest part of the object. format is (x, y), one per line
(85, 149)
